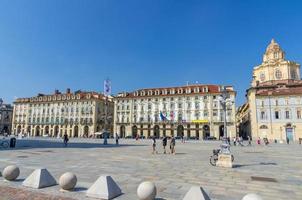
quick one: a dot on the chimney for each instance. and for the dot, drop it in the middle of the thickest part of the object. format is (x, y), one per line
(68, 90)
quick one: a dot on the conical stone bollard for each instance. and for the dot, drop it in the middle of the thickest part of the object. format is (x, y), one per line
(40, 178)
(196, 193)
(104, 188)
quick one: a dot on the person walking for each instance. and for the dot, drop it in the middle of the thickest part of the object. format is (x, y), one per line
(116, 139)
(65, 139)
(249, 140)
(234, 141)
(172, 145)
(165, 143)
(154, 145)
(287, 140)
(258, 141)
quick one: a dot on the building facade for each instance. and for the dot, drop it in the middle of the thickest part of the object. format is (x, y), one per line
(192, 111)
(6, 115)
(78, 114)
(275, 97)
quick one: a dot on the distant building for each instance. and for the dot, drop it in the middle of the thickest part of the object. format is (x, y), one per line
(78, 114)
(243, 123)
(6, 113)
(192, 111)
(274, 100)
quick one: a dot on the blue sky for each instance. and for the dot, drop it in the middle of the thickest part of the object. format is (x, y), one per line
(56, 44)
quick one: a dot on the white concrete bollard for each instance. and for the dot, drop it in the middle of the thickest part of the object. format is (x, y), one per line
(11, 172)
(252, 196)
(146, 191)
(68, 181)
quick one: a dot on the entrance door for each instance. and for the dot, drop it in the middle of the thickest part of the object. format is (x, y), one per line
(289, 134)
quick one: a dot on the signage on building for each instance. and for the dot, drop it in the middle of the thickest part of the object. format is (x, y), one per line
(200, 121)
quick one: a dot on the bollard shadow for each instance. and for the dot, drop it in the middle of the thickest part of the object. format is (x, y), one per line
(19, 180)
(253, 164)
(80, 189)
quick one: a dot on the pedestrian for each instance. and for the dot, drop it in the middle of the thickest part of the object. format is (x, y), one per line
(249, 140)
(154, 145)
(229, 140)
(258, 141)
(136, 137)
(172, 145)
(164, 144)
(116, 139)
(287, 140)
(65, 139)
(234, 141)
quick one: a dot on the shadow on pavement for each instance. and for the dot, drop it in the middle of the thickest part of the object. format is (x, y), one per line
(42, 143)
(254, 164)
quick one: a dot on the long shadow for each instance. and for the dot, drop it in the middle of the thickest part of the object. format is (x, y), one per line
(253, 164)
(33, 144)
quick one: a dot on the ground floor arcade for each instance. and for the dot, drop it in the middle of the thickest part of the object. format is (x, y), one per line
(188, 130)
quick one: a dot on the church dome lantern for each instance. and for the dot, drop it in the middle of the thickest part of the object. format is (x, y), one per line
(273, 52)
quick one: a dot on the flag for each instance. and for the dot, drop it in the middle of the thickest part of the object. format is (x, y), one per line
(107, 87)
(162, 117)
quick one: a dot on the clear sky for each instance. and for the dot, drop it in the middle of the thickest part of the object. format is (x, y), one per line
(56, 44)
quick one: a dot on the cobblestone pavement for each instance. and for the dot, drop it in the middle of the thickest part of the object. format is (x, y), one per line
(132, 162)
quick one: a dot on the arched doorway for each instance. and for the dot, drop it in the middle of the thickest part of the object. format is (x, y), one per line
(134, 131)
(56, 133)
(37, 131)
(206, 131)
(19, 129)
(156, 131)
(221, 131)
(76, 131)
(86, 131)
(289, 132)
(122, 131)
(180, 131)
(46, 130)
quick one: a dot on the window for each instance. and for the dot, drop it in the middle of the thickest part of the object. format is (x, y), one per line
(180, 105)
(277, 103)
(262, 77)
(276, 114)
(262, 115)
(278, 74)
(215, 113)
(287, 114)
(298, 114)
(262, 103)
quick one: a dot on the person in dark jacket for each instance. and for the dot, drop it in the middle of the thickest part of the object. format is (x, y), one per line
(165, 144)
(65, 139)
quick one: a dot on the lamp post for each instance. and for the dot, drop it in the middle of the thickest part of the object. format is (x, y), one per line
(225, 101)
(107, 92)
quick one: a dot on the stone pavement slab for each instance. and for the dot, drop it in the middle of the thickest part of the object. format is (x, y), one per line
(132, 162)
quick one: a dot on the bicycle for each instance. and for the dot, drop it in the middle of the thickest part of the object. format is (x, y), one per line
(214, 157)
(4, 144)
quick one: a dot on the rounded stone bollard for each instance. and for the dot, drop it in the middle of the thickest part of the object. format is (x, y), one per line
(252, 196)
(11, 172)
(146, 191)
(68, 181)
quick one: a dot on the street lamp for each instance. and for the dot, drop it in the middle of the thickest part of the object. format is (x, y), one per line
(225, 101)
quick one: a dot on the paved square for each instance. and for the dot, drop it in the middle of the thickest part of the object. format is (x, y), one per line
(132, 162)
